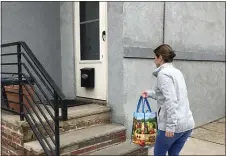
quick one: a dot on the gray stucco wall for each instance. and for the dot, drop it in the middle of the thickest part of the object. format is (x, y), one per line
(196, 26)
(67, 51)
(206, 87)
(189, 27)
(38, 24)
(142, 24)
(148, 21)
(115, 54)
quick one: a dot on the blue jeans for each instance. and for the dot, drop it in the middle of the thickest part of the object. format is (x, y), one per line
(171, 145)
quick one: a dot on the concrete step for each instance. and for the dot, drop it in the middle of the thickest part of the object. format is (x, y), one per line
(86, 115)
(78, 117)
(125, 148)
(83, 140)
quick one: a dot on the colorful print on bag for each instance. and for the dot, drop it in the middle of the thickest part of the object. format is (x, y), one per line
(144, 128)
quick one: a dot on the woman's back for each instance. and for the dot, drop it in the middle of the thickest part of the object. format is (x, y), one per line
(175, 120)
(178, 94)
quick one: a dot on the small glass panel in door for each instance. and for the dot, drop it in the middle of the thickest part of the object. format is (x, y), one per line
(89, 30)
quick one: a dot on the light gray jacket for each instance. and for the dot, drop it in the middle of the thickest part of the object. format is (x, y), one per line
(174, 112)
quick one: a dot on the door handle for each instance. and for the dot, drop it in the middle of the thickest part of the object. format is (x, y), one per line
(103, 35)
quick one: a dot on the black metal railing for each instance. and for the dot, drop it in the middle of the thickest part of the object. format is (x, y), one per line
(39, 98)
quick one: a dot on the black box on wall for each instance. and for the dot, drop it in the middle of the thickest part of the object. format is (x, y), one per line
(87, 77)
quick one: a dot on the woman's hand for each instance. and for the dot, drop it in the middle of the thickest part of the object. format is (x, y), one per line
(145, 94)
(169, 134)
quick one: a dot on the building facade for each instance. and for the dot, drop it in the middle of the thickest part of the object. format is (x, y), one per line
(117, 39)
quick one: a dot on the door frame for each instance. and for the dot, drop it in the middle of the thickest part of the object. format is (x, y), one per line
(76, 43)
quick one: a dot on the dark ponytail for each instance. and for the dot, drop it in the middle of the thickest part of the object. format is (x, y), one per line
(166, 52)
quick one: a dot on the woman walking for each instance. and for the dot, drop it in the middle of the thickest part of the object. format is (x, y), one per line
(175, 120)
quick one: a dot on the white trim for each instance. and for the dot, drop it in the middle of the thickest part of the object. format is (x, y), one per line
(103, 50)
(89, 21)
(74, 45)
(89, 61)
(104, 16)
(76, 31)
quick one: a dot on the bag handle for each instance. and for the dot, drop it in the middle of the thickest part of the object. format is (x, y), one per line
(145, 100)
(138, 104)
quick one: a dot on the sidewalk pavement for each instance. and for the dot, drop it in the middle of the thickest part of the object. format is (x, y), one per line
(208, 139)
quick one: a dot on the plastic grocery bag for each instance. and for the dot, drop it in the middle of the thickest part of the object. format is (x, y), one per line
(144, 127)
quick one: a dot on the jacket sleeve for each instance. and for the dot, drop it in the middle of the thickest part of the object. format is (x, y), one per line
(151, 93)
(165, 84)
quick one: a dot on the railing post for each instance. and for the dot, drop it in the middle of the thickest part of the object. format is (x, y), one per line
(64, 106)
(57, 130)
(20, 80)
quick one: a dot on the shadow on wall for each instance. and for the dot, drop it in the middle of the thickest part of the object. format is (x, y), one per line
(38, 24)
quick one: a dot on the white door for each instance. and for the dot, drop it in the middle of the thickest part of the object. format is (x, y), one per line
(91, 46)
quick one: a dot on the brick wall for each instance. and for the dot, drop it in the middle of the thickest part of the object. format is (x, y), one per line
(12, 140)
(98, 143)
